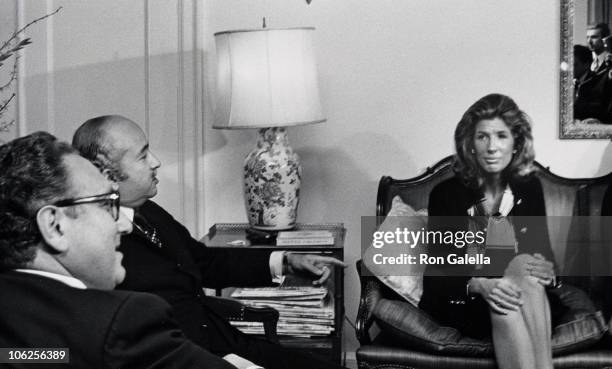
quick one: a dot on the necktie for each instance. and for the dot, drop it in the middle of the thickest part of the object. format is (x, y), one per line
(145, 229)
(595, 65)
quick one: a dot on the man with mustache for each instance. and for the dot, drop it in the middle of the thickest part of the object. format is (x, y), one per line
(60, 227)
(594, 90)
(161, 256)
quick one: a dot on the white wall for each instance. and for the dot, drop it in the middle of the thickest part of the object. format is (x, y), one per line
(395, 78)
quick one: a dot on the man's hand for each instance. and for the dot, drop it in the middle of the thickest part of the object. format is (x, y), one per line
(313, 264)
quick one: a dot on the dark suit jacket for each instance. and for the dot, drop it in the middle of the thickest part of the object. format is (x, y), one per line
(102, 329)
(452, 198)
(182, 267)
(593, 96)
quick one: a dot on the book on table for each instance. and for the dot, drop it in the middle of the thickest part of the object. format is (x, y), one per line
(311, 237)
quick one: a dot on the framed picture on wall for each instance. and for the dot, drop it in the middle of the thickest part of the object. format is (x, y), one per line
(585, 69)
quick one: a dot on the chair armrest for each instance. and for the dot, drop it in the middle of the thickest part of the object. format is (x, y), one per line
(370, 295)
(234, 310)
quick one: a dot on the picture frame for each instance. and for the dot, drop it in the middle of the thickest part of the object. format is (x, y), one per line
(569, 127)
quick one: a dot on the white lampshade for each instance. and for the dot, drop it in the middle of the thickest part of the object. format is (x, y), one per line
(266, 78)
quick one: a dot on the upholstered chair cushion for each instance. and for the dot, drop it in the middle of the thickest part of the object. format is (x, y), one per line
(412, 327)
(579, 326)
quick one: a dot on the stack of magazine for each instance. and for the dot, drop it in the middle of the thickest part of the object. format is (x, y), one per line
(303, 311)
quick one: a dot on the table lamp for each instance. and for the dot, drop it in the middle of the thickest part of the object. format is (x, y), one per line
(267, 80)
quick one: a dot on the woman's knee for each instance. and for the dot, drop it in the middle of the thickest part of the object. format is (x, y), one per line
(512, 319)
(530, 286)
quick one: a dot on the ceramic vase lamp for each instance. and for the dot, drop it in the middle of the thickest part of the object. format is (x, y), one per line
(267, 80)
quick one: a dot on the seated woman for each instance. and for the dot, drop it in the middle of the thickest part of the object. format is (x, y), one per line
(493, 164)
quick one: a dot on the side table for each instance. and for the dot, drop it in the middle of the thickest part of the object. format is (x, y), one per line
(233, 235)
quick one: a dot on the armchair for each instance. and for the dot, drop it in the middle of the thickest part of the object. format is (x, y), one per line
(563, 197)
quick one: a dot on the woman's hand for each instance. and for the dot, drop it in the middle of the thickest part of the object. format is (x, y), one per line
(542, 269)
(536, 266)
(502, 295)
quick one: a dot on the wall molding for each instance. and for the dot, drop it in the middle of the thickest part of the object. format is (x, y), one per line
(147, 70)
(20, 111)
(50, 27)
(198, 109)
(180, 112)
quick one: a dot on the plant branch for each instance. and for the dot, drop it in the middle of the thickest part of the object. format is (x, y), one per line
(16, 33)
(6, 102)
(12, 76)
(4, 126)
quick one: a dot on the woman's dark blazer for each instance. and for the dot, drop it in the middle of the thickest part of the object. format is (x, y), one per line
(444, 286)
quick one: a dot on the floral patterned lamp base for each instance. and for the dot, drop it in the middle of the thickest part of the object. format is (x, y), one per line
(272, 177)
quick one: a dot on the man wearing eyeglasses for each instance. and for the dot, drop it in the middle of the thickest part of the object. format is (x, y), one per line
(60, 227)
(161, 256)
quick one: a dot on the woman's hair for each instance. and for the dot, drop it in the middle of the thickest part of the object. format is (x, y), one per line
(490, 107)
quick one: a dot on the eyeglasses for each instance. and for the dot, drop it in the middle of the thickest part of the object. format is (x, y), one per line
(110, 201)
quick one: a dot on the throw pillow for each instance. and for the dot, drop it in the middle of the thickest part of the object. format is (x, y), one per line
(405, 280)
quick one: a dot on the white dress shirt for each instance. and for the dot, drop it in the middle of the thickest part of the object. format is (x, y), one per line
(598, 60)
